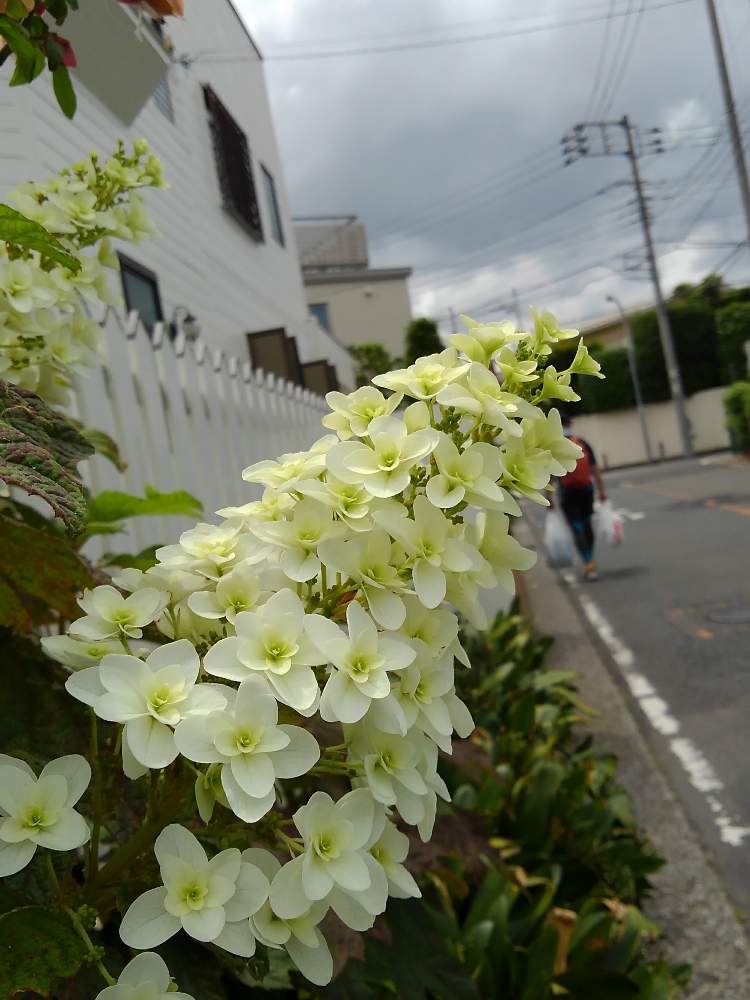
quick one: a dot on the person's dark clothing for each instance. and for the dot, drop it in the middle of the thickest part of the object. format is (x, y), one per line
(577, 504)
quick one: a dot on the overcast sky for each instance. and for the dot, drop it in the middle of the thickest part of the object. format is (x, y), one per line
(450, 153)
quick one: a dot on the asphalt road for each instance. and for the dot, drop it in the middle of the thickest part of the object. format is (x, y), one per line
(672, 608)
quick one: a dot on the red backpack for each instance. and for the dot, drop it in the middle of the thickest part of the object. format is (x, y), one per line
(580, 477)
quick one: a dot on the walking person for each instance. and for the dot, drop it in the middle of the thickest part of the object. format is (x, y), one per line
(577, 499)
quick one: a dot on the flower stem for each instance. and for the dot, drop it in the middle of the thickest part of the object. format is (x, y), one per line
(97, 797)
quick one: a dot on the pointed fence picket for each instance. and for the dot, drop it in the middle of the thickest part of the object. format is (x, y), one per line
(184, 417)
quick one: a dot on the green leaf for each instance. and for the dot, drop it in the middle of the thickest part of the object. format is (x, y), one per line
(39, 571)
(39, 946)
(103, 445)
(22, 232)
(112, 505)
(143, 560)
(63, 87)
(39, 452)
(550, 678)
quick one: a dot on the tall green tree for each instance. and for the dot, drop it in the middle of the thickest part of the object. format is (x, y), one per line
(421, 338)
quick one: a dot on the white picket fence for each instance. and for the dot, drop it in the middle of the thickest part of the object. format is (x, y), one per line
(185, 417)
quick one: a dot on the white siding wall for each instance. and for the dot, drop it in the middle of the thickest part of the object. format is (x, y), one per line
(203, 259)
(185, 417)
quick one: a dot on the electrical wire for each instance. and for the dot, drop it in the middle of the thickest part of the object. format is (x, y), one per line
(609, 97)
(426, 43)
(599, 73)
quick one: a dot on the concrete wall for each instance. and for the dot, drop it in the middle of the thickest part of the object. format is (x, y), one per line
(203, 259)
(616, 437)
(366, 312)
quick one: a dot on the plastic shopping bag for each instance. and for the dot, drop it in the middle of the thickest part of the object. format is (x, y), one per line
(558, 542)
(609, 525)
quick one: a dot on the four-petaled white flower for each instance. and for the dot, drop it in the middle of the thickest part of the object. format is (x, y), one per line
(481, 395)
(427, 376)
(239, 590)
(285, 472)
(335, 836)
(469, 476)
(299, 936)
(38, 812)
(109, 614)
(299, 537)
(252, 748)
(390, 850)
(352, 414)
(145, 977)
(150, 697)
(429, 541)
(483, 340)
(361, 660)
(383, 466)
(210, 900)
(367, 562)
(271, 640)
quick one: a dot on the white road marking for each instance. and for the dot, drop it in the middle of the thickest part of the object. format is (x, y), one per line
(699, 770)
(632, 515)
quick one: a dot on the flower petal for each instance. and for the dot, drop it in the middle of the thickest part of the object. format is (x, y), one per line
(237, 938)
(205, 924)
(70, 831)
(151, 742)
(287, 896)
(315, 964)
(14, 857)
(76, 771)
(146, 923)
(301, 753)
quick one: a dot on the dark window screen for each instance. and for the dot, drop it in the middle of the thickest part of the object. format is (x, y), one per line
(234, 166)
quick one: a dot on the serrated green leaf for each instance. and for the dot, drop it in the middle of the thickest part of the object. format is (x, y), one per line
(39, 947)
(15, 228)
(39, 452)
(112, 505)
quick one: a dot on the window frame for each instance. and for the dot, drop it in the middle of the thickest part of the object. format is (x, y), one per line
(272, 201)
(140, 271)
(246, 212)
(288, 345)
(326, 327)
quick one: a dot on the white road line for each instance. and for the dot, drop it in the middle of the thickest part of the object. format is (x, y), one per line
(699, 770)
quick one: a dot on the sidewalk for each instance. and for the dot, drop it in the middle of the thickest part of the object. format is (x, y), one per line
(689, 902)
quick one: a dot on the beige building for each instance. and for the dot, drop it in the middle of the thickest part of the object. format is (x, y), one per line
(609, 331)
(353, 302)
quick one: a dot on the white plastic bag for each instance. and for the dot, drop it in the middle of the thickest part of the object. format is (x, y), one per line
(558, 542)
(608, 525)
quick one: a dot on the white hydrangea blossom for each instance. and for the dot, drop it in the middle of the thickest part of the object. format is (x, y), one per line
(333, 601)
(145, 977)
(46, 333)
(38, 812)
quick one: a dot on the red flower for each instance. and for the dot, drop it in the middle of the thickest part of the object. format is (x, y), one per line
(69, 56)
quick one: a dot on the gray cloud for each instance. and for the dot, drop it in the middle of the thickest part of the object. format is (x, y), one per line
(451, 155)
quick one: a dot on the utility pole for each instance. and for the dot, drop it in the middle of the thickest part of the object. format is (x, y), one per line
(731, 113)
(517, 307)
(578, 143)
(633, 365)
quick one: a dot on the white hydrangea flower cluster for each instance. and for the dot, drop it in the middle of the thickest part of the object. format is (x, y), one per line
(46, 332)
(333, 598)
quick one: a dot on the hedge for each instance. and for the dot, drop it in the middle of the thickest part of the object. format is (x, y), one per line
(733, 329)
(533, 881)
(737, 410)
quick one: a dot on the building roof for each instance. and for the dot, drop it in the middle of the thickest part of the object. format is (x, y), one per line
(245, 28)
(332, 241)
(331, 276)
(613, 319)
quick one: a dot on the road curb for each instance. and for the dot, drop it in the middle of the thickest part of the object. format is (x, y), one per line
(689, 901)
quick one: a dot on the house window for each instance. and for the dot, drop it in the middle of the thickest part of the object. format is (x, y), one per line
(141, 291)
(273, 205)
(320, 311)
(163, 98)
(234, 166)
(274, 351)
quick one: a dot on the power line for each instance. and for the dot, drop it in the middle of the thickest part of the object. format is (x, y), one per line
(428, 43)
(598, 75)
(628, 51)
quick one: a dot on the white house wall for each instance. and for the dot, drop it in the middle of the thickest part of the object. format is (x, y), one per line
(203, 259)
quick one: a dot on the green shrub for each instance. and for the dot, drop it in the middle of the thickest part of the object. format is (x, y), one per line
(733, 329)
(737, 410)
(533, 878)
(421, 340)
(615, 391)
(694, 332)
